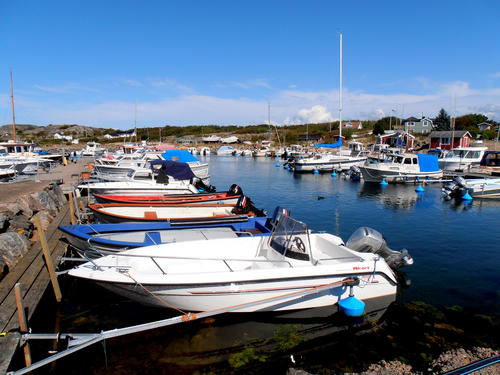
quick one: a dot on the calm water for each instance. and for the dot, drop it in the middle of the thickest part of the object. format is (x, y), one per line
(456, 249)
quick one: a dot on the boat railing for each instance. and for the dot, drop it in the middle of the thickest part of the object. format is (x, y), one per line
(154, 259)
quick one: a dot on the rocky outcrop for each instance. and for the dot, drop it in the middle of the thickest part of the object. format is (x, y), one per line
(17, 221)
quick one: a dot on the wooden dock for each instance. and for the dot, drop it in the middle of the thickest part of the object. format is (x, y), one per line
(31, 272)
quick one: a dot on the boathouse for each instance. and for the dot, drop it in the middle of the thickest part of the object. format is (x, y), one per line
(442, 139)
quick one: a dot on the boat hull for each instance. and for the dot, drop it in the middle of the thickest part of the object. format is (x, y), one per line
(328, 166)
(377, 175)
(205, 297)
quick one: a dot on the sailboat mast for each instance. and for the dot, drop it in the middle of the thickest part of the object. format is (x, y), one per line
(340, 92)
(13, 111)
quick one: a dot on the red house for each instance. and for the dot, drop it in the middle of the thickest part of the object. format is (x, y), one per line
(442, 139)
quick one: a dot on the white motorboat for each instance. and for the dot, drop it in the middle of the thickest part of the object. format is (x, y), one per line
(402, 168)
(244, 273)
(92, 149)
(461, 158)
(355, 155)
(140, 188)
(475, 187)
(225, 150)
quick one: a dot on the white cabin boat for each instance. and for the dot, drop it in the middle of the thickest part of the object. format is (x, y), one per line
(402, 168)
(225, 151)
(92, 149)
(462, 158)
(244, 273)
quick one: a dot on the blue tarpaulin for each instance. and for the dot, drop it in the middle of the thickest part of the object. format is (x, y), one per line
(330, 145)
(179, 171)
(182, 156)
(428, 163)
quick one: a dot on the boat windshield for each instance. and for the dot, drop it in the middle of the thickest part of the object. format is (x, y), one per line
(291, 239)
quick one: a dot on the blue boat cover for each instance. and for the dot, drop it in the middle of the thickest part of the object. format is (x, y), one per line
(330, 145)
(179, 171)
(182, 156)
(428, 163)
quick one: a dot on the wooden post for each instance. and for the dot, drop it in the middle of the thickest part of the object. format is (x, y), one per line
(71, 208)
(48, 259)
(23, 324)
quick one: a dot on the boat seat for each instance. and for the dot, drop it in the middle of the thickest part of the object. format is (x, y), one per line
(252, 231)
(150, 215)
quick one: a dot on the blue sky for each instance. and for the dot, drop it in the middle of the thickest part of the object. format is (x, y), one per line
(221, 62)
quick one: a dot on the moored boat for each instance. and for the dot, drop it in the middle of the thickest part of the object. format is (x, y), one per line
(245, 273)
(402, 168)
(459, 187)
(461, 158)
(175, 213)
(228, 197)
(93, 240)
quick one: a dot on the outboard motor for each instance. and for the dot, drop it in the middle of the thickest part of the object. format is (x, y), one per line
(454, 189)
(199, 184)
(368, 240)
(354, 173)
(245, 205)
(235, 190)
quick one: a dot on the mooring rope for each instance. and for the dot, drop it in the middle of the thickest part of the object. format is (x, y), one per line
(165, 303)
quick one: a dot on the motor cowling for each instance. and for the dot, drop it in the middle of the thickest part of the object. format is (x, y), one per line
(235, 190)
(368, 240)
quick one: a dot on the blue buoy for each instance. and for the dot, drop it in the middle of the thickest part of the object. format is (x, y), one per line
(334, 174)
(383, 183)
(466, 197)
(277, 165)
(315, 171)
(351, 306)
(419, 189)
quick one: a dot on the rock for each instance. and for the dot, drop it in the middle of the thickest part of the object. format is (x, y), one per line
(43, 201)
(460, 357)
(61, 198)
(4, 220)
(45, 219)
(20, 223)
(12, 247)
(3, 269)
(389, 368)
(24, 206)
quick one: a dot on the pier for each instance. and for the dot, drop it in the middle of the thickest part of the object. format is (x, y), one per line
(24, 285)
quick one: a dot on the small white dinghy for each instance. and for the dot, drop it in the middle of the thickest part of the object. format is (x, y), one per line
(245, 273)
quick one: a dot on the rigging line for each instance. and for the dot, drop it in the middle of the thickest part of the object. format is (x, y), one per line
(165, 303)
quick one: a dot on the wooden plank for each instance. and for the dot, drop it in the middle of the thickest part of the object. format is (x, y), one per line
(37, 289)
(23, 323)
(8, 346)
(16, 273)
(48, 260)
(29, 279)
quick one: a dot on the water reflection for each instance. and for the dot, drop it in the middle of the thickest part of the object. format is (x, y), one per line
(217, 342)
(393, 196)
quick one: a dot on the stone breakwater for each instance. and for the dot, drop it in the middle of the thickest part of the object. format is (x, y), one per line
(17, 229)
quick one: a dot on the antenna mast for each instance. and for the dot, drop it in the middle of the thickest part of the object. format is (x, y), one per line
(13, 112)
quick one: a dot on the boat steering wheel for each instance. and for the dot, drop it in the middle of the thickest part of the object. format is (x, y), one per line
(300, 244)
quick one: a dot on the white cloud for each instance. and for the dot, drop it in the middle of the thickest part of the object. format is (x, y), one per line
(316, 114)
(496, 75)
(68, 88)
(288, 106)
(257, 82)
